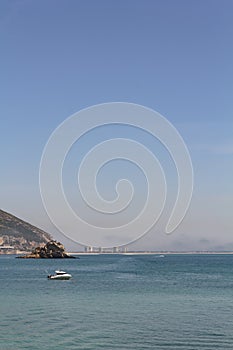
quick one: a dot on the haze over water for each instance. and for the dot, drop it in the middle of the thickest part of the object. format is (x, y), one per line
(175, 57)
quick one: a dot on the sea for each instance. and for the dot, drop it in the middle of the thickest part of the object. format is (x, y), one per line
(118, 302)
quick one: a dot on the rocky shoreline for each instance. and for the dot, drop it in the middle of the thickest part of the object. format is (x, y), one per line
(51, 250)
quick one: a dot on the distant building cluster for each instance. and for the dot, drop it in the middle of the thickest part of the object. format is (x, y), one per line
(101, 250)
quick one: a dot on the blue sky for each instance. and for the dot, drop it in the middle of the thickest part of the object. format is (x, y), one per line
(175, 57)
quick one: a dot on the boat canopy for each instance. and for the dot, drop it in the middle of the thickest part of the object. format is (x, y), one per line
(58, 272)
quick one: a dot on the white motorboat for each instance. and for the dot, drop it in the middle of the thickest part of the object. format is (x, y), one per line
(60, 275)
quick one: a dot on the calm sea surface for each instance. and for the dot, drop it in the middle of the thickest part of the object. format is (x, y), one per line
(118, 302)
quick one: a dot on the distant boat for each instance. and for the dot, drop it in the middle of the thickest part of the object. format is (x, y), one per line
(60, 275)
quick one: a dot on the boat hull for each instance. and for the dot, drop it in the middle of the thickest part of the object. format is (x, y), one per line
(61, 277)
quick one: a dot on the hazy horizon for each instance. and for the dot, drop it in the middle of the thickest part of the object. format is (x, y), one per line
(174, 57)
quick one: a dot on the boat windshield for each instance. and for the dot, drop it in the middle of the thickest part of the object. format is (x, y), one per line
(60, 272)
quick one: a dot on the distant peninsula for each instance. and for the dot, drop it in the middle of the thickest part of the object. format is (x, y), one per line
(17, 235)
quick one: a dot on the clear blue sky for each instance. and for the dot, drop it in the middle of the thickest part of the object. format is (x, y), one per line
(174, 56)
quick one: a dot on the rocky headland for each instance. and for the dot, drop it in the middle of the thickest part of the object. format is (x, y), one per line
(51, 250)
(17, 235)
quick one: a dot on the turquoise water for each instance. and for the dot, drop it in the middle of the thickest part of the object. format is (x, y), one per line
(118, 302)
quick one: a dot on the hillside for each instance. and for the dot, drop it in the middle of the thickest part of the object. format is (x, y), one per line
(19, 235)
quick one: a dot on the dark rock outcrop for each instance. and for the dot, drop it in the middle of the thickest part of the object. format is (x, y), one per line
(51, 250)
